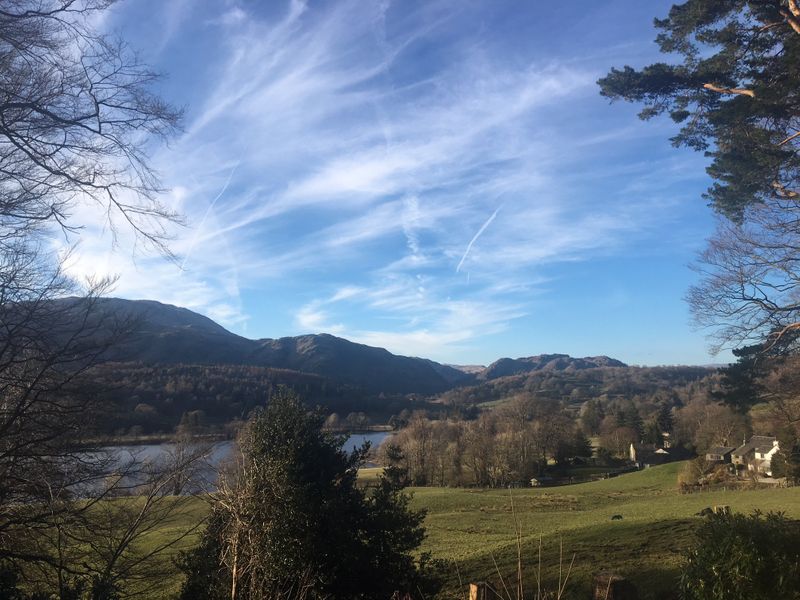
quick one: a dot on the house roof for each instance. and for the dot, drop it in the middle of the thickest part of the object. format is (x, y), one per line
(764, 448)
(721, 450)
(756, 442)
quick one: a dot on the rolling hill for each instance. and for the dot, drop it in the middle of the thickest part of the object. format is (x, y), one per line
(166, 334)
(545, 362)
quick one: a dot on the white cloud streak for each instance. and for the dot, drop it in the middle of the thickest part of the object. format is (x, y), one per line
(321, 150)
(476, 236)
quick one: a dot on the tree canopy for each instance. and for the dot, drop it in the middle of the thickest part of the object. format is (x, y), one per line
(290, 521)
(734, 87)
(743, 556)
(78, 115)
(736, 94)
(735, 91)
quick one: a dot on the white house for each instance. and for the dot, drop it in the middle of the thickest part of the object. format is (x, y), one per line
(756, 454)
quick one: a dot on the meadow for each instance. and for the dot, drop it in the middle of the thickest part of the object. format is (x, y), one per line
(475, 529)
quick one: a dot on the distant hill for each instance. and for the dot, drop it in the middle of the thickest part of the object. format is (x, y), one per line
(170, 335)
(545, 362)
(646, 387)
(166, 334)
(376, 369)
(177, 363)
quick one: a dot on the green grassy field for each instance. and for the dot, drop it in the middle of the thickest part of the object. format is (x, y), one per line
(475, 528)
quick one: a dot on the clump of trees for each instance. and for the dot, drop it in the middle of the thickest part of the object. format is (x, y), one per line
(158, 398)
(705, 423)
(290, 521)
(509, 444)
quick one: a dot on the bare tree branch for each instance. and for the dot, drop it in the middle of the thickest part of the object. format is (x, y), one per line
(726, 90)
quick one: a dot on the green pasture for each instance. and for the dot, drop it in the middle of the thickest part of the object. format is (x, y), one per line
(476, 529)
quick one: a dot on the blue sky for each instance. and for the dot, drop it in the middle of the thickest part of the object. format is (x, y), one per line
(438, 178)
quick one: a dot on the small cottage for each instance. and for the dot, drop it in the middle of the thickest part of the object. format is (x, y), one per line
(643, 456)
(756, 454)
(720, 454)
(541, 481)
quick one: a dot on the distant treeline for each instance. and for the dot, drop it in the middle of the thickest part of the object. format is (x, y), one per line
(142, 399)
(145, 399)
(512, 429)
(577, 386)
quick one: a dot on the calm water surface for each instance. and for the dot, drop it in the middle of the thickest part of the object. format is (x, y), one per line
(156, 453)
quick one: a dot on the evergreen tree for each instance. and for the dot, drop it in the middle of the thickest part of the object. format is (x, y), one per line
(292, 522)
(664, 419)
(734, 93)
(634, 420)
(786, 462)
(652, 433)
(582, 445)
(741, 388)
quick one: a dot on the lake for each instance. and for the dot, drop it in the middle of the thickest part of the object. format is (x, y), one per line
(155, 453)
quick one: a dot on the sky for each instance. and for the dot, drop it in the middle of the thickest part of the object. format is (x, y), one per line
(439, 178)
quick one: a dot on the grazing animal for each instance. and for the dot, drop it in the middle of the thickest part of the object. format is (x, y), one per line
(616, 517)
(705, 512)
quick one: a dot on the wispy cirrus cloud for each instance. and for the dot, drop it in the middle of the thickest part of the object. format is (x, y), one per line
(364, 151)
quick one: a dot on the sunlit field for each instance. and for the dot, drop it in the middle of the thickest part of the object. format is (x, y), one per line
(475, 528)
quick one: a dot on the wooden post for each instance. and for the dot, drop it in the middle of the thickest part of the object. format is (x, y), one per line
(477, 591)
(608, 586)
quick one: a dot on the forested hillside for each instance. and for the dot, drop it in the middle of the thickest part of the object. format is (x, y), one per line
(159, 334)
(642, 385)
(147, 399)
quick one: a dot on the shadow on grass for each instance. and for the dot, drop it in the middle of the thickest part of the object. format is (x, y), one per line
(649, 554)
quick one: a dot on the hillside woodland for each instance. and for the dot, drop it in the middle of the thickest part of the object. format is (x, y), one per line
(505, 423)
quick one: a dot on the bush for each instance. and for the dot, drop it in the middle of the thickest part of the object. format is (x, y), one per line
(740, 557)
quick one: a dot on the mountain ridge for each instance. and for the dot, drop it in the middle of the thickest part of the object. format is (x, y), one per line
(504, 367)
(168, 334)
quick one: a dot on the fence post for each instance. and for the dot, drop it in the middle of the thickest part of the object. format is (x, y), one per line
(608, 586)
(477, 591)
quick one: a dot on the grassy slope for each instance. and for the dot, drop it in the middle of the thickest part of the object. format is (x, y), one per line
(476, 527)
(473, 527)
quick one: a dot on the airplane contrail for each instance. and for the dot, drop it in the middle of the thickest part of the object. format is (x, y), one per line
(476, 236)
(208, 210)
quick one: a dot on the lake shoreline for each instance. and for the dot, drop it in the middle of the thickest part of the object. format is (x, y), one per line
(171, 438)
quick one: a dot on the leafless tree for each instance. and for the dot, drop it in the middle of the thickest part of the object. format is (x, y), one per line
(110, 540)
(781, 393)
(60, 520)
(77, 119)
(750, 287)
(45, 348)
(703, 423)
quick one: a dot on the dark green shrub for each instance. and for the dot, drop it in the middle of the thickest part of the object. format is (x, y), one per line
(744, 557)
(292, 523)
